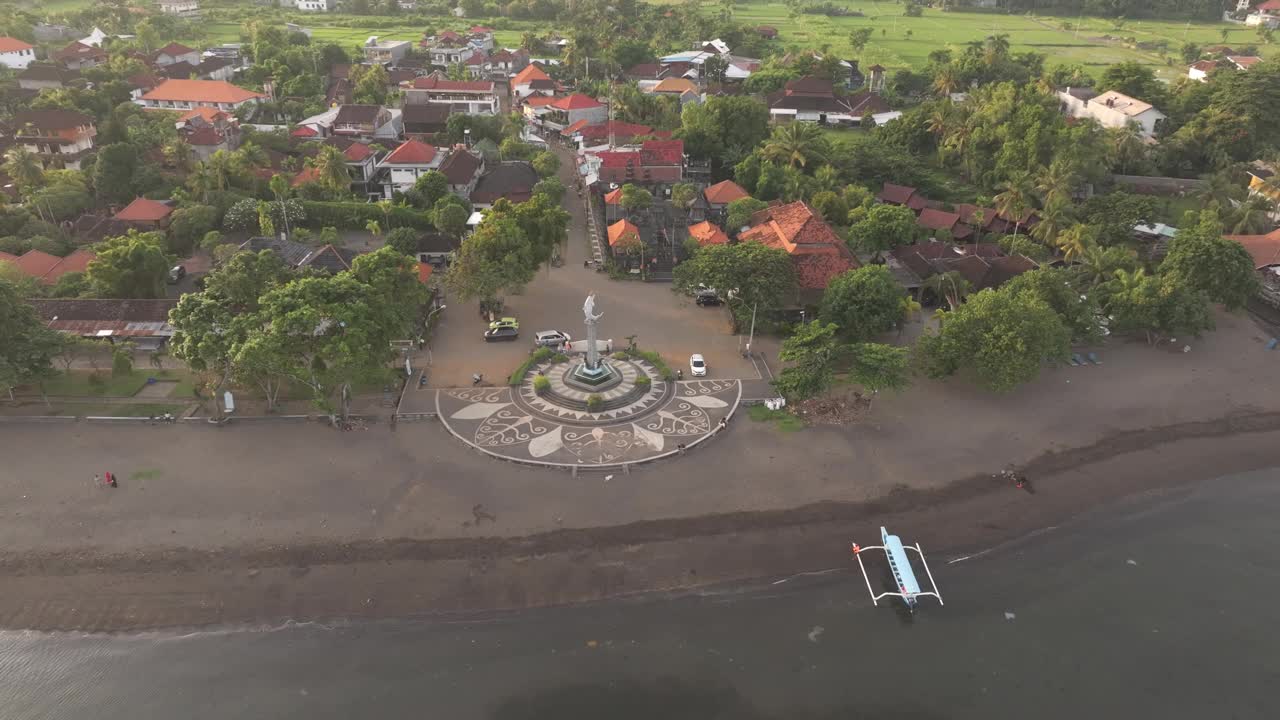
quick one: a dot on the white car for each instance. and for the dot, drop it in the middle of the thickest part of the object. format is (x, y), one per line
(550, 338)
(697, 366)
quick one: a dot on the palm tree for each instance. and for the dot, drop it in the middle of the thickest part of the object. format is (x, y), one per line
(1252, 217)
(24, 167)
(201, 180)
(529, 42)
(794, 144)
(331, 169)
(827, 178)
(1014, 199)
(1127, 151)
(958, 142)
(1097, 264)
(1053, 218)
(1219, 189)
(995, 47)
(1056, 183)
(1075, 241)
(374, 228)
(946, 81)
(279, 185)
(950, 286)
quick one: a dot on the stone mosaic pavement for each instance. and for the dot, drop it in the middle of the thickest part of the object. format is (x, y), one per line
(497, 422)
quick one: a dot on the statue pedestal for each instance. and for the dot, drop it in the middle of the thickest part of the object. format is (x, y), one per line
(602, 377)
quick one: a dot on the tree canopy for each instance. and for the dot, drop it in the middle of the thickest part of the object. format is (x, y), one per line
(863, 303)
(129, 266)
(747, 274)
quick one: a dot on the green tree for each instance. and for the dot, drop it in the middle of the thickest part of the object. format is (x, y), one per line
(397, 293)
(113, 173)
(24, 167)
(404, 240)
(495, 259)
(188, 225)
(129, 266)
(449, 218)
(243, 279)
(795, 144)
(1055, 288)
(877, 367)
(1154, 306)
(27, 345)
(431, 185)
(883, 228)
(1001, 336)
(749, 275)
(635, 199)
(950, 286)
(546, 164)
(863, 303)
(683, 195)
(279, 186)
(1201, 259)
(331, 170)
(859, 37)
(740, 212)
(370, 84)
(724, 129)
(551, 187)
(810, 353)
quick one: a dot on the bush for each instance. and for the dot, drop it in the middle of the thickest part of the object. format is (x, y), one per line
(537, 356)
(541, 384)
(655, 360)
(356, 215)
(621, 355)
(594, 402)
(188, 225)
(643, 381)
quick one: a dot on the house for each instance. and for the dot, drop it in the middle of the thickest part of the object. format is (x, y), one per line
(902, 195)
(683, 89)
(61, 138)
(575, 108)
(145, 214)
(359, 121)
(362, 165)
(42, 77)
(768, 32)
(1111, 109)
(532, 80)
(469, 97)
(719, 196)
(463, 170)
(423, 121)
(1265, 251)
(512, 181)
(817, 253)
(315, 5)
(188, 94)
(656, 162)
(186, 9)
(708, 233)
(506, 63)
(936, 221)
(385, 52)
(813, 99)
(1266, 14)
(175, 53)
(446, 51)
(612, 132)
(78, 56)
(1243, 62)
(623, 235)
(982, 265)
(406, 164)
(145, 323)
(329, 258)
(208, 130)
(48, 268)
(644, 75)
(978, 219)
(229, 51)
(16, 54)
(1200, 69)
(613, 209)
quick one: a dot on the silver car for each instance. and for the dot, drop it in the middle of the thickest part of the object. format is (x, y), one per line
(550, 338)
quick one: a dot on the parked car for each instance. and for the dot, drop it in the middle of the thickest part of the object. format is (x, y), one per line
(550, 338)
(707, 298)
(176, 273)
(505, 322)
(697, 366)
(501, 333)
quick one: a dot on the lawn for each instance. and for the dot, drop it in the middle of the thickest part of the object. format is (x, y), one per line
(782, 420)
(77, 383)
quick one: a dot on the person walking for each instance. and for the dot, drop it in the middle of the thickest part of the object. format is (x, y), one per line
(97, 480)
(111, 479)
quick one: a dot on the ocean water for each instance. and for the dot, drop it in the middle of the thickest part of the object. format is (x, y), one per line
(1161, 607)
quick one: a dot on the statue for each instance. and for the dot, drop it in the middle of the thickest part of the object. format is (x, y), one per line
(590, 318)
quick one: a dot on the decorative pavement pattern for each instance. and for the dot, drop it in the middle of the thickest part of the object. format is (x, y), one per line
(494, 421)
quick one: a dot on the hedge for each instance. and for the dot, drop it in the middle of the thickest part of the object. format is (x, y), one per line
(356, 215)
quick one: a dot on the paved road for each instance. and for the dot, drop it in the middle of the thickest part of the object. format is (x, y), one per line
(1160, 610)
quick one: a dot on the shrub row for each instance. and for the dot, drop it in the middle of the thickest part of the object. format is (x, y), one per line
(356, 215)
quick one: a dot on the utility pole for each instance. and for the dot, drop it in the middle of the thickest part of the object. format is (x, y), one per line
(752, 335)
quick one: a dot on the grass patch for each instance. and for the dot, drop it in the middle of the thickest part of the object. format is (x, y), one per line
(77, 383)
(146, 474)
(652, 358)
(782, 420)
(535, 357)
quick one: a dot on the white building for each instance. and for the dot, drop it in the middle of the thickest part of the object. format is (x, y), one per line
(181, 8)
(315, 5)
(407, 163)
(15, 53)
(470, 97)
(1111, 109)
(385, 52)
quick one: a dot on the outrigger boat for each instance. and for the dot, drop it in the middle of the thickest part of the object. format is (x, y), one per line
(903, 575)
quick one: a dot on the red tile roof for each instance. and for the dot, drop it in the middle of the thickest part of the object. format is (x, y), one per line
(539, 100)
(201, 91)
(411, 152)
(1205, 66)
(8, 45)
(205, 137)
(817, 252)
(36, 263)
(725, 192)
(707, 233)
(77, 261)
(174, 49)
(528, 75)
(937, 219)
(304, 176)
(357, 152)
(896, 194)
(613, 198)
(576, 101)
(1269, 5)
(968, 212)
(206, 113)
(434, 82)
(477, 58)
(1245, 61)
(623, 132)
(662, 152)
(619, 158)
(573, 128)
(144, 210)
(305, 131)
(1264, 249)
(622, 229)
(424, 272)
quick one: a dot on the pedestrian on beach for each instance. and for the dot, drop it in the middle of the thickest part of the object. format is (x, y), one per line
(97, 480)
(111, 479)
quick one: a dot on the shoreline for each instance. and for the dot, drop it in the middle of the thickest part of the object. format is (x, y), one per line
(266, 584)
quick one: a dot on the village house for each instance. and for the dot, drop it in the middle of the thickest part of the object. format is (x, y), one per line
(16, 54)
(982, 265)
(1266, 14)
(188, 94)
(612, 133)
(1111, 109)
(657, 162)
(360, 121)
(623, 237)
(1200, 70)
(423, 121)
(145, 323)
(469, 97)
(574, 109)
(1265, 251)
(176, 53)
(47, 268)
(385, 52)
(462, 169)
(719, 196)
(683, 89)
(79, 56)
(208, 130)
(404, 165)
(185, 9)
(812, 99)
(531, 81)
(708, 233)
(817, 253)
(506, 63)
(315, 5)
(512, 181)
(47, 77)
(448, 48)
(329, 258)
(60, 138)
(145, 214)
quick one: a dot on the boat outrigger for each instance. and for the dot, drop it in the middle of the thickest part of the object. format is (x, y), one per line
(900, 563)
